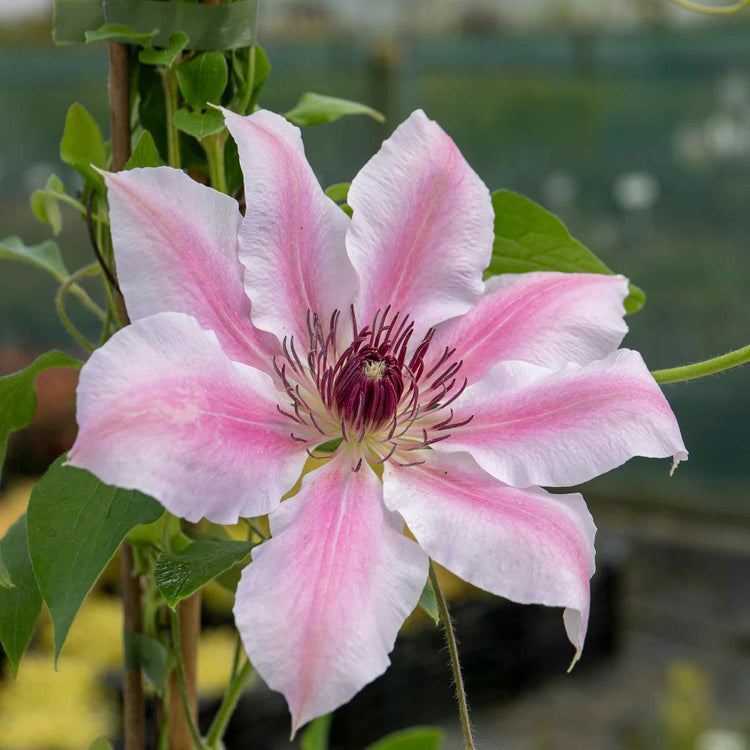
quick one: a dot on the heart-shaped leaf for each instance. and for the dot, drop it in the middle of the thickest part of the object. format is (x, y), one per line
(145, 153)
(118, 32)
(198, 125)
(177, 42)
(203, 79)
(316, 109)
(178, 576)
(18, 394)
(530, 238)
(75, 525)
(44, 203)
(415, 738)
(20, 605)
(45, 255)
(82, 145)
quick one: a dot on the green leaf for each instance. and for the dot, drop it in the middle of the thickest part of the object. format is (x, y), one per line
(46, 255)
(6, 581)
(100, 743)
(198, 125)
(203, 79)
(152, 109)
(530, 238)
(428, 601)
(316, 109)
(76, 524)
(415, 738)
(338, 192)
(147, 653)
(177, 42)
(19, 606)
(260, 74)
(118, 32)
(44, 203)
(18, 394)
(82, 145)
(180, 575)
(145, 153)
(315, 736)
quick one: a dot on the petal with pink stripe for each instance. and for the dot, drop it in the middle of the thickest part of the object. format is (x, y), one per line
(321, 603)
(422, 228)
(292, 237)
(558, 428)
(526, 545)
(161, 409)
(175, 244)
(547, 319)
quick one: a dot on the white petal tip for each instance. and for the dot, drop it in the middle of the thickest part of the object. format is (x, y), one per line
(676, 460)
(577, 656)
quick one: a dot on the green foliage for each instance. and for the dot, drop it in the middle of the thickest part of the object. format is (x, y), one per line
(6, 581)
(82, 145)
(18, 394)
(199, 125)
(152, 111)
(203, 79)
(177, 42)
(180, 575)
(118, 32)
(316, 109)
(44, 203)
(20, 605)
(45, 255)
(315, 736)
(145, 153)
(338, 192)
(428, 601)
(262, 68)
(250, 68)
(100, 743)
(415, 738)
(530, 238)
(150, 654)
(75, 525)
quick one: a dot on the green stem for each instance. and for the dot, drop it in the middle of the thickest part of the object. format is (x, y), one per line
(701, 369)
(450, 639)
(228, 704)
(247, 95)
(180, 667)
(213, 145)
(720, 10)
(70, 285)
(104, 242)
(173, 135)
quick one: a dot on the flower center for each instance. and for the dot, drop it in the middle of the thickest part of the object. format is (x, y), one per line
(368, 388)
(379, 393)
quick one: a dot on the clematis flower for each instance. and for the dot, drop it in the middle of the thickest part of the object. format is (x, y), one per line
(452, 401)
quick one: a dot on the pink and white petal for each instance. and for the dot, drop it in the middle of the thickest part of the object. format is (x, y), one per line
(525, 545)
(321, 604)
(292, 237)
(422, 228)
(547, 319)
(558, 428)
(175, 244)
(163, 410)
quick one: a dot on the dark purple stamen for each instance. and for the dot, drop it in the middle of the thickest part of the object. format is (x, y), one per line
(371, 387)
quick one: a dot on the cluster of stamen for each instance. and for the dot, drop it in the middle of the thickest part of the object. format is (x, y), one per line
(376, 393)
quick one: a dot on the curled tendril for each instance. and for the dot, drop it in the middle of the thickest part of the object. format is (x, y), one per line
(710, 10)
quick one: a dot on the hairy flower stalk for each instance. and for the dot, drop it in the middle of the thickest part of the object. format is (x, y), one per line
(257, 338)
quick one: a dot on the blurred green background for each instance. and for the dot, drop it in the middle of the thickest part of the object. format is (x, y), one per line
(635, 130)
